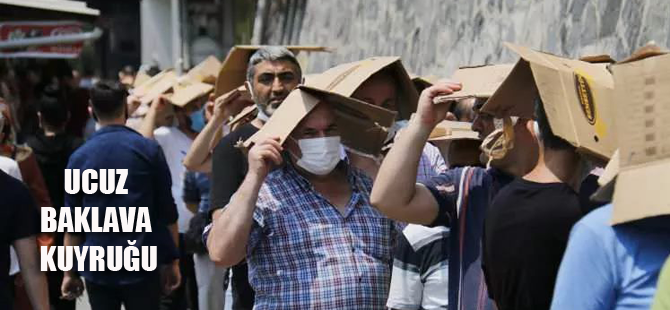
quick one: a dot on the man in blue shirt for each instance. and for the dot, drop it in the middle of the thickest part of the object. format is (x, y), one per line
(612, 267)
(116, 146)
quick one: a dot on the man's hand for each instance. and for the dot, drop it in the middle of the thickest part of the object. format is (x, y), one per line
(263, 156)
(429, 113)
(133, 103)
(160, 103)
(170, 277)
(72, 287)
(230, 104)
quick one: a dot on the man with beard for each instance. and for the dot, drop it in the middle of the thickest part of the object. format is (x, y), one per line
(272, 73)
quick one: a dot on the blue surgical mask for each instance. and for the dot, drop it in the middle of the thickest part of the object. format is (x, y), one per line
(198, 119)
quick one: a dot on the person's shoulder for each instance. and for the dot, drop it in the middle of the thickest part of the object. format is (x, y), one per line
(163, 131)
(20, 196)
(598, 219)
(231, 140)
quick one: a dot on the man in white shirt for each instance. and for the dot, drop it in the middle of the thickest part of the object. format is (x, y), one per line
(175, 133)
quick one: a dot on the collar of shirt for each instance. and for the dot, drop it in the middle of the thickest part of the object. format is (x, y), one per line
(353, 177)
(112, 128)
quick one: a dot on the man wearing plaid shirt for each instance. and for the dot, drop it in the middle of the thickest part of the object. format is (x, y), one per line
(311, 238)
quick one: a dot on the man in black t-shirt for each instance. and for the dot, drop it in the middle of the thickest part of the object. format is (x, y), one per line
(272, 73)
(52, 147)
(528, 225)
(18, 227)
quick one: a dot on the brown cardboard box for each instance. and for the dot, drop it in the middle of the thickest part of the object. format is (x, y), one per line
(642, 107)
(452, 130)
(142, 88)
(577, 97)
(234, 68)
(363, 127)
(206, 72)
(346, 78)
(186, 90)
(246, 115)
(140, 78)
(158, 86)
(478, 81)
(458, 144)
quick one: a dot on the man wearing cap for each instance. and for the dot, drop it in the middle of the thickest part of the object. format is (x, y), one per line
(458, 198)
(307, 229)
(528, 223)
(272, 73)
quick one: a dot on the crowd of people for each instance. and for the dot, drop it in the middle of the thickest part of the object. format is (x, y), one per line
(355, 188)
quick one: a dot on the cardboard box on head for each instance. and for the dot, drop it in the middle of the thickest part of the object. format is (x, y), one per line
(345, 79)
(186, 91)
(206, 72)
(233, 71)
(363, 127)
(577, 98)
(140, 78)
(642, 108)
(478, 81)
(452, 130)
(156, 86)
(458, 144)
(142, 88)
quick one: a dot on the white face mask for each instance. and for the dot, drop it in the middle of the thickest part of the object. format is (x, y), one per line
(393, 130)
(319, 155)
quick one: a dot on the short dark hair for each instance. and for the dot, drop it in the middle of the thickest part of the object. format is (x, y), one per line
(271, 53)
(54, 112)
(549, 140)
(108, 99)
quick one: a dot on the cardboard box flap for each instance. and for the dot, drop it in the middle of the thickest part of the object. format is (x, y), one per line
(452, 130)
(207, 71)
(516, 94)
(642, 104)
(186, 90)
(246, 113)
(161, 86)
(140, 78)
(576, 97)
(142, 88)
(597, 59)
(234, 68)
(649, 50)
(346, 78)
(479, 81)
(362, 126)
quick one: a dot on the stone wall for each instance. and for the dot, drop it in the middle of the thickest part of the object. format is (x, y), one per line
(434, 37)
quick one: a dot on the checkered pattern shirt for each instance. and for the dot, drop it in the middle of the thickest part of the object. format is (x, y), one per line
(304, 254)
(431, 164)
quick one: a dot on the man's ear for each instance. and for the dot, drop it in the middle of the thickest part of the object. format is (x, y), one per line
(250, 89)
(530, 126)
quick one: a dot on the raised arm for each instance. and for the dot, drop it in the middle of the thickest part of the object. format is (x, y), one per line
(150, 121)
(395, 191)
(228, 238)
(199, 155)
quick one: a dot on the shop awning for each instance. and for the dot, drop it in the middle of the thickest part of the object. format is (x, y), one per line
(65, 6)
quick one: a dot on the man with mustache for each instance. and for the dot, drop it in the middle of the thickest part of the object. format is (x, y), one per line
(272, 73)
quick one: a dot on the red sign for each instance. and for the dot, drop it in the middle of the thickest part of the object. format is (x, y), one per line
(13, 31)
